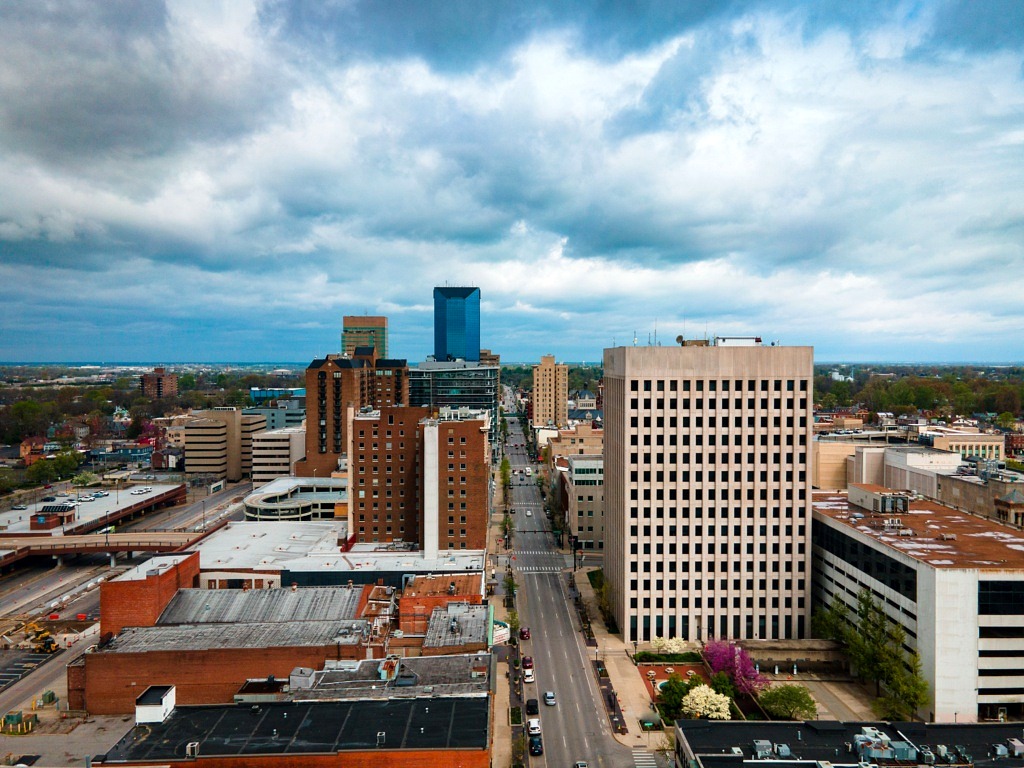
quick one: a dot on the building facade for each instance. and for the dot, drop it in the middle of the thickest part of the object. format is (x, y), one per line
(364, 331)
(333, 385)
(159, 384)
(287, 413)
(457, 324)
(550, 393)
(274, 453)
(954, 582)
(456, 384)
(584, 495)
(707, 501)
(224, 451)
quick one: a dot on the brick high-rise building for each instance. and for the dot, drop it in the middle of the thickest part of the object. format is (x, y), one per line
(707, 492)
(550, 393)
(456, 481)
(159, 384)
(336, 383)
(384, 482)
(364, 331)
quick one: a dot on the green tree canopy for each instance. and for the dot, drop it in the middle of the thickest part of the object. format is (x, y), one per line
(792, 702)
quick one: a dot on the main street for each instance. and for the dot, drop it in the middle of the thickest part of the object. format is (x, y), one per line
(576, 728)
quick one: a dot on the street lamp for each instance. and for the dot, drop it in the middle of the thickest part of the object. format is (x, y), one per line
(635, 644)
(204, 515)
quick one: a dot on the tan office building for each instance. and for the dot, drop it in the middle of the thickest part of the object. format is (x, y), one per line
(224, 452)
(707, 502)
(364, 331)
(550, 393)
(274, 452)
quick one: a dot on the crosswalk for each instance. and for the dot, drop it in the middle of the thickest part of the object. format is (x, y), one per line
(644, 759)
(538, 568)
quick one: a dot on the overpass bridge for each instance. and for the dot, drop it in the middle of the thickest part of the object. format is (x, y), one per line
(13, 548)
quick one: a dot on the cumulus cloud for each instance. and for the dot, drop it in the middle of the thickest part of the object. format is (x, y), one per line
(226, 180)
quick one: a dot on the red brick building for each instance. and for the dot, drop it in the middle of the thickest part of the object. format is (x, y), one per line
(159, 384)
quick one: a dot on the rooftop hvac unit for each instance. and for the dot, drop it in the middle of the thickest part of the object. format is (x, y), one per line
(192, 749)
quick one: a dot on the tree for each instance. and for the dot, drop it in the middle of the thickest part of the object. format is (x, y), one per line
(1005, 420)
(792, 702)
(513, 623)
(868, 644)
(722, 683)
(831, 622)
(702, 702)
(735, 662)
(84, 479)
(42, 472)
(671, 694)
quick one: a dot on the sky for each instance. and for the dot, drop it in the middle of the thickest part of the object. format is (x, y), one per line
(223, 181)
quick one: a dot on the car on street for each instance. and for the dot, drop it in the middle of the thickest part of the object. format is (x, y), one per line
(524, 633)
(549, 698)
(529, 513)
(528, 676)
(527, 662)
(19, 506)
(533, 726)
(536, 746)
(49, 498)
(531, 707)
(580, 764)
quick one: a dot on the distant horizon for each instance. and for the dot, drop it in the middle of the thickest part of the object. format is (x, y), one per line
(582, 363)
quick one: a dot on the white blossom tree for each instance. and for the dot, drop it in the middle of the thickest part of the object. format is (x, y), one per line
(702, 702)
(670, 645)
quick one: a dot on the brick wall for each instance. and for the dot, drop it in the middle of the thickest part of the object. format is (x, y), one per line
(114, 680)
(139, 602)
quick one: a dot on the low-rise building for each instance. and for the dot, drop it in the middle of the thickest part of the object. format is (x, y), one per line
(274, 453)
(953, 581)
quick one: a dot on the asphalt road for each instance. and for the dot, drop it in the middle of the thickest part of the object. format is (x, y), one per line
(576, 728)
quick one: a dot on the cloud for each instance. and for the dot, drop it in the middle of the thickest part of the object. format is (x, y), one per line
(204, 180)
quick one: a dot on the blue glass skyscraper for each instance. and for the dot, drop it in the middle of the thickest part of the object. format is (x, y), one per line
(457, 324)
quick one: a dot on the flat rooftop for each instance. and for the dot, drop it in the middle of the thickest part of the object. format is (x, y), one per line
(457, 624)
(263, 606)
(152, 567)
(432, 586)
(19, 520)
(311, 728)
(451, 675)
(825, 741)
(203, 637)
(313, 546)
(939, 536)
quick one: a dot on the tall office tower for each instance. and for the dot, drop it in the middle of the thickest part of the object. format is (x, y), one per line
(550, 393)
(707, 489)
(364, 331)
(334, 384)
(457, 324)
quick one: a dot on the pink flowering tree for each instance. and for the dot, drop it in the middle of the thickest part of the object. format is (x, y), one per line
(723, 656)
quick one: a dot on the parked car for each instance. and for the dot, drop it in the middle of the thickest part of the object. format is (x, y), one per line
(527, 662)
(49, 498)
(580, 764)
(19, 506)
(528, 676)
(549, 698)
(524, 633)
(531, 707)
(533, 726)
(536, 746)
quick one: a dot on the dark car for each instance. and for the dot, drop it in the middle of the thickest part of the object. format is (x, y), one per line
(524, 633)
(527, 662)
(536, 746)
(49, 498)
(532, 707)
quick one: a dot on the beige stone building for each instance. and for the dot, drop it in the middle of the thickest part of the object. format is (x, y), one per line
(707, 490)
(225, 452)
(580, 440)
(584, 500)
(275, 452)
(550, 393)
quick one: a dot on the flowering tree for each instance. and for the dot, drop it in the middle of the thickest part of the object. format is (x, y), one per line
(670, 645)
(702, 702)
(723, 656)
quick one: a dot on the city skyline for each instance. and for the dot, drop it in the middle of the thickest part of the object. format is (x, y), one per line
(225, 182)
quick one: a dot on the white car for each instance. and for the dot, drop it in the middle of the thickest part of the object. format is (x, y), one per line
(533, 726)
(529, 513)
(528, 676)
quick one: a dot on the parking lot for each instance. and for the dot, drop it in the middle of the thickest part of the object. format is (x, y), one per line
(14, 665)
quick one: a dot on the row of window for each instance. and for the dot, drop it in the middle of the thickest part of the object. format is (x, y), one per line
(646, 628)
(731, 566)
(712, 404)
(713, 385)
(712, 494)
(709, 512)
